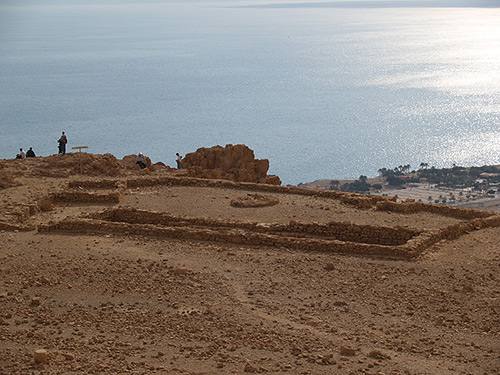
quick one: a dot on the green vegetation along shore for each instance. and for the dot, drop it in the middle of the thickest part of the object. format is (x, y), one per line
(455, 185)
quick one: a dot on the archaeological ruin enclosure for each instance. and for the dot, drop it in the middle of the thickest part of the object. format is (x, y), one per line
(262, 215)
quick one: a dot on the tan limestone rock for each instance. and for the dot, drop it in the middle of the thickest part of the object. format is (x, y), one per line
(233, 162)
(346, 351)
(41, 356)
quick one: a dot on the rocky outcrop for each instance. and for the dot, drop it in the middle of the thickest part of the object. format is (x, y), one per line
(79, 162)
(71, 164)
(234, 163)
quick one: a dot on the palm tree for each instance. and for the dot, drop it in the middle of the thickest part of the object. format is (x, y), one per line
(382, 171)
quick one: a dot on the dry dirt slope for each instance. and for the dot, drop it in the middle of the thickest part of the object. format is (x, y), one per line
(103, 304)
(106, 303)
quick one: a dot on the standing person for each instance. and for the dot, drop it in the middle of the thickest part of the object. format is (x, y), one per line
(21, 155)
(30, 153)
(140, 160)
(179, 161)
(62, 143)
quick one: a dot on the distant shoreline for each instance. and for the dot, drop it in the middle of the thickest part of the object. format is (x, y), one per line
(426, 192)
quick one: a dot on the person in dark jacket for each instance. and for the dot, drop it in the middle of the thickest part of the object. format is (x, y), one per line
(30, 153)
(62, 143)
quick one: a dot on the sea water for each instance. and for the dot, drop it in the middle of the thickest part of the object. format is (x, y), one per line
(322, 90)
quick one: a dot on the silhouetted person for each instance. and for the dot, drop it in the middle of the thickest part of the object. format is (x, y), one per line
(179, 161)
(30, 153)
(62, 143)
(21, 155)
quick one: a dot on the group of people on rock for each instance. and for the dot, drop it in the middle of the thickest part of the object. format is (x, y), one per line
(63, 140)
(25, 154)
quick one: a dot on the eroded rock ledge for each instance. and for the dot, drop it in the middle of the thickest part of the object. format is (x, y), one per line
(234, 163)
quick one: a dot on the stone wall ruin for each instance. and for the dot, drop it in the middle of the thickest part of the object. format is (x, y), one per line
(341, 237)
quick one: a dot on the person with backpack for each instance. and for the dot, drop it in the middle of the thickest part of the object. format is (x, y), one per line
(62, 143)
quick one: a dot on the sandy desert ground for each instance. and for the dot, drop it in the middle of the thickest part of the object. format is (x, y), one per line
(117, 303)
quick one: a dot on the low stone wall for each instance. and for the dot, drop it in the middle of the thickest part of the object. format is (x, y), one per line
(426, 239)
(353, 199)
(356, 233)
(96, 184)
(413, 207)
(234, 236)
(356, 200)
(378, 202)
(75, 196)
(335, 230)
(15, 227)
(22, 213)
(84, 197)
(335, 237)
(361, 201)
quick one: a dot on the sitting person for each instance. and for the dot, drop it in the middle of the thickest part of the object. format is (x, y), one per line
(140, 160)
(21, 155)
(30, 153)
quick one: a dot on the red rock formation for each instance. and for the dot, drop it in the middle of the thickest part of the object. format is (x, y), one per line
(234, 163)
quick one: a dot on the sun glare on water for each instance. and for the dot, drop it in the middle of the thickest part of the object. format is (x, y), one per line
(459, 48)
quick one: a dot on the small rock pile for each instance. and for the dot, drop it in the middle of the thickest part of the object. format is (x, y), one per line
(255, 200)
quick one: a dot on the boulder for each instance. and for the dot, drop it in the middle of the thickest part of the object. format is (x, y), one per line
(46, 205)
(347, 351)
(129, 162)
(234, 163)
(41, 356)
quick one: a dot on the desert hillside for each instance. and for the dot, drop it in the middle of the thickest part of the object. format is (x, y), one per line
(111, 269)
